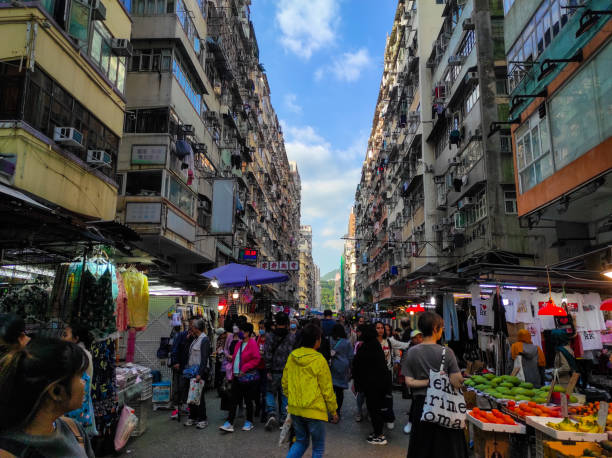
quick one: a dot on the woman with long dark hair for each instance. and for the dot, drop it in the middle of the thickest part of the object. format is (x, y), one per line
(39, 384)
(373, 379)
(340, 364)
(430, 440)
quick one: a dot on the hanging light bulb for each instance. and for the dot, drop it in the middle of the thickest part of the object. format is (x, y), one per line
(550, 308)
(433, 300)
(214, 283)
(235, 294)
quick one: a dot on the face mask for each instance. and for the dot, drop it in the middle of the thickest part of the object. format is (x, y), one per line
(241, 335)
(235, 330)
(262, 332)
(293, 326)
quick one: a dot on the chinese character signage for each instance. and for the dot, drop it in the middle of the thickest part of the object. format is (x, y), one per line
(248, 254)
(280, 265)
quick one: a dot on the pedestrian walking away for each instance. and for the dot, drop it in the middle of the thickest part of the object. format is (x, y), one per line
(197, 368)
(179, 358)
(279, 344)
(311, 400)
(430, 440)
(340, 363)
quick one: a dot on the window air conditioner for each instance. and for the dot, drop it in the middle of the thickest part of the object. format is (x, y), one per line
(122, 46)
(468, 24)
(447, 221)
(438, 227)
(69, 136)
(188, 129)
(456, 60)
(99, 157)
(98, 10)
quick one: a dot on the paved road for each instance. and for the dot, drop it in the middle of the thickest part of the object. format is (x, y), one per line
(166, 438)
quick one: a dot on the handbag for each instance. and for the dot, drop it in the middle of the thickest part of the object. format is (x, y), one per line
(251, 376)
(517, 371)
(195, 392)
(444, 404)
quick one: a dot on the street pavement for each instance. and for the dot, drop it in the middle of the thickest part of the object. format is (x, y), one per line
(167, 438)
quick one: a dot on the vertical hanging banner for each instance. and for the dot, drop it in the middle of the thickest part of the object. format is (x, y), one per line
(222, 221)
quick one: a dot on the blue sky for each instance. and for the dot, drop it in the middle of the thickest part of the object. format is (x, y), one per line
(324, 61)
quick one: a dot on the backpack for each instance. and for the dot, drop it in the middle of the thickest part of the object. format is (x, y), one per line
(163, 352)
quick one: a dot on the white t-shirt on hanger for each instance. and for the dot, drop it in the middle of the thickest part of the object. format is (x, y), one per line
(590, 318)
(484, 313)
(536, 332)
(523, 308)
(511, 299)
(591, 340)
(539, 300)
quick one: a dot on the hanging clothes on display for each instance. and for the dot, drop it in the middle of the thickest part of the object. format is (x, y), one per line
(484, 314)
(536, 332)
(451, 323)
(471, 326)
(137, 289)
(103, 387)
(511, 299)
(26, 301)
(122, 307)
(591, 318)
(524, 310)
(591, 340)
(97, 304)
(547, 322)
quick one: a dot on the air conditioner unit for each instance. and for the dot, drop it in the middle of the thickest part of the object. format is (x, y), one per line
(99, 157)
(414, 116)
(456, 60)
(447, 221)
(466, 202)
(471, 76)
(188, 129)
(98, 10)
(468, 24)
(122, 46)
(68, 136)
(438, 227)
(439, 179)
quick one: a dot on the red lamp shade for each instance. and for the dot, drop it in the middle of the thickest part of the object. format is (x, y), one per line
(415, 308)
(551, 309)
(606, 306)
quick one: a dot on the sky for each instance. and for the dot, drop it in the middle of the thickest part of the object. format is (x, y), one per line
(324, 61)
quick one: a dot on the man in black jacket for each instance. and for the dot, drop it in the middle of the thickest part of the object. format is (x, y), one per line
(178, 361)
(279, 344)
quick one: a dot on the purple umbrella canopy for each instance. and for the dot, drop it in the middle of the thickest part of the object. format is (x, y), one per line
(236, 275)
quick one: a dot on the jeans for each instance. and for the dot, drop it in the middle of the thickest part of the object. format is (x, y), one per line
(304, 429)
(273, 388)
(360, 399)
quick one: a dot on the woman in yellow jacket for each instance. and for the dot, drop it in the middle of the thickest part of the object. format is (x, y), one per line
(307, 383)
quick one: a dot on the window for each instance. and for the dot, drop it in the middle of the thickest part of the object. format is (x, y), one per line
(184, 17)
(467, 44)
(147, 121)
(510, 202)
(79, 21)
(147, 183)
(459, 218)
(179, 195)
(479, 210)
(151, 60)
(112, 65)
(533, 152)
(185, 81)
(580, 112)
(11, 83)
(152, 7)
(472, 98)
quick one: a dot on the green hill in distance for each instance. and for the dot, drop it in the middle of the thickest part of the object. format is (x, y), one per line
(330, 275)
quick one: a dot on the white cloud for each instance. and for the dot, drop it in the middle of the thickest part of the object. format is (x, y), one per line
(307, 25)
(319, 73)
(291, 103)
(349, 66)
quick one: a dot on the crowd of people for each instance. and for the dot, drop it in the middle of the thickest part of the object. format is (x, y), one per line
(288, 371)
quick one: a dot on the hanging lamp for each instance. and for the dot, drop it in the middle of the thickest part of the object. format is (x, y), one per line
(550, 308)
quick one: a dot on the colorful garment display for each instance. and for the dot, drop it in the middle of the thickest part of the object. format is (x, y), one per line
(122, 306)
(103, 387)
(137, 290)
(29, 300)
(97, 306)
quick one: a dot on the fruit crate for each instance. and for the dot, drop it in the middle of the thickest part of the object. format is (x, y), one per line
(539, 423)
(514, 429)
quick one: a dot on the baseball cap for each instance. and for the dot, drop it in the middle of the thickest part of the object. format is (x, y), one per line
(415, 333)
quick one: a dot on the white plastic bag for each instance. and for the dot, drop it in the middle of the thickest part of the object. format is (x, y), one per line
(285, 434)
(517, 371)
(127, 423)
(195, 392)
(444, 404)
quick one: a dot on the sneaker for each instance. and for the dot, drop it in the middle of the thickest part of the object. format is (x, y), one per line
(190, 422)
(390, 425)
(227, 427)
(408, 428)
(202, 424)
(174, 415)
(371, 436)
(248, 426)
(379, 440)
(271, 423)
(358, 418)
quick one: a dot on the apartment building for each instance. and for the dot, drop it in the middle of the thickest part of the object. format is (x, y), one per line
(350, 265)
(203, 169)
(560, 56)
(308, 271)
(62, 100)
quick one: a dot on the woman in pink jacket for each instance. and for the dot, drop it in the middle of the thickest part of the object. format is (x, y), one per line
(245, 377)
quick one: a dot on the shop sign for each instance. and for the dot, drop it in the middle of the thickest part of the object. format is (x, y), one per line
(280, 265)
(247, 254)
(137, 212)
(149, 154)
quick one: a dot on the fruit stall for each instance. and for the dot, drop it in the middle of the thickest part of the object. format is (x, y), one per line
(510, 418)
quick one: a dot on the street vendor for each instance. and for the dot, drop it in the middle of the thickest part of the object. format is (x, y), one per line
(532, 357)
(565, 361)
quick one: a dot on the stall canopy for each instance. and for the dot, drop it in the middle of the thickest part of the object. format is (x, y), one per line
(235, 275)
